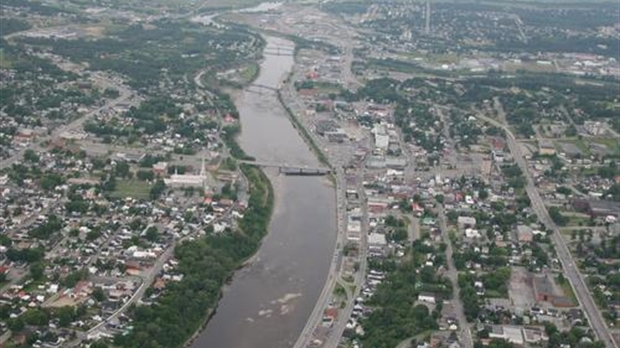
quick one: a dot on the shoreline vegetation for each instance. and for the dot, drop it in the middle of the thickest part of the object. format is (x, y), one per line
(185, 308)
(303, 132)
(208, 263)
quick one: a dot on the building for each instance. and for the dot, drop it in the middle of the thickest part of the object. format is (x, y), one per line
(546, 147)
(336, 136)
(509, 333)
(188, 180)
(544, 289)
(597, 207)
(382, 139)
(466, 222)
(524, 234)
(160, 168)
(377, 239)
(396, 162)
(534, 335)
(426, 297)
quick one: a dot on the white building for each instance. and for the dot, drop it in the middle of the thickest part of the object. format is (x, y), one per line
(188, 180)
(428, 298)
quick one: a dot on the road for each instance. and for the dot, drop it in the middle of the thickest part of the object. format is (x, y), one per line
(125, 94)
(465, 332)
(31, 219)
(146, 282)
(297, 106)
(317, 313)
(360, 277)
(348, 77)
(570, 270)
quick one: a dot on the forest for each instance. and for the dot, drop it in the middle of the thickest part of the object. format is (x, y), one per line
(171, 49)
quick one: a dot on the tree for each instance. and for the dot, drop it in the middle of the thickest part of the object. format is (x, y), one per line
(99, 344)
(36, 270)
(111, 93)
(500, 343)
(93, 235)
(152, 234)
(17, 324)
(483, 194)
(158, 188)
(122, 169)
(31, 156)
(145, 175)
(50, 181)
(564, 190)
(65, 315)
(608, 172)
(557, 216)
(36, 317)
(571, 131)
(99, 294)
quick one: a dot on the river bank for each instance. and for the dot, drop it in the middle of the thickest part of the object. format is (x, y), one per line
(268, 301)
(207, 264)
(269, 203)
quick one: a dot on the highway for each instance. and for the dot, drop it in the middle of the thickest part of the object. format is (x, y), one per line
(360, 277)
(571, 271)
(317, 313)
(297, 106)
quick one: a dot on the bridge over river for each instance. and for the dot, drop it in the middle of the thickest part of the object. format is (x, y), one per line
(260, 89)
(279, 51)
(288, 169)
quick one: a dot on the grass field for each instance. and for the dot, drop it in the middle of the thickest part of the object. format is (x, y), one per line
(5, 62)
(567, 290)
(131, 188)
(578, 221)
(579, 143)
(611, 143)
(250, 73)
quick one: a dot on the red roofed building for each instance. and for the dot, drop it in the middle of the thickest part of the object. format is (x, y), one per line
(229, 119)
(498, 143)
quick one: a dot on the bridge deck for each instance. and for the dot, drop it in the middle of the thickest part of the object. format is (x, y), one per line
(290, 169)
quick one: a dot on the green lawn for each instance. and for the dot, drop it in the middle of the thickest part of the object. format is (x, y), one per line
(567, 290)
(611, 143)
(250, 73)
(579, 143)
(578, 220)
(131, 188)
(5, 61)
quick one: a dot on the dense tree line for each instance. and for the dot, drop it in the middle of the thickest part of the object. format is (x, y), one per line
(12, 25)
(229, 134)
(206, 265)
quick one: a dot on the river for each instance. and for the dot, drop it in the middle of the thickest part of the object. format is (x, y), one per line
(268, 302)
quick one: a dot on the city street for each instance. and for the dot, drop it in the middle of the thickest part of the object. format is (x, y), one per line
(571, 271)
